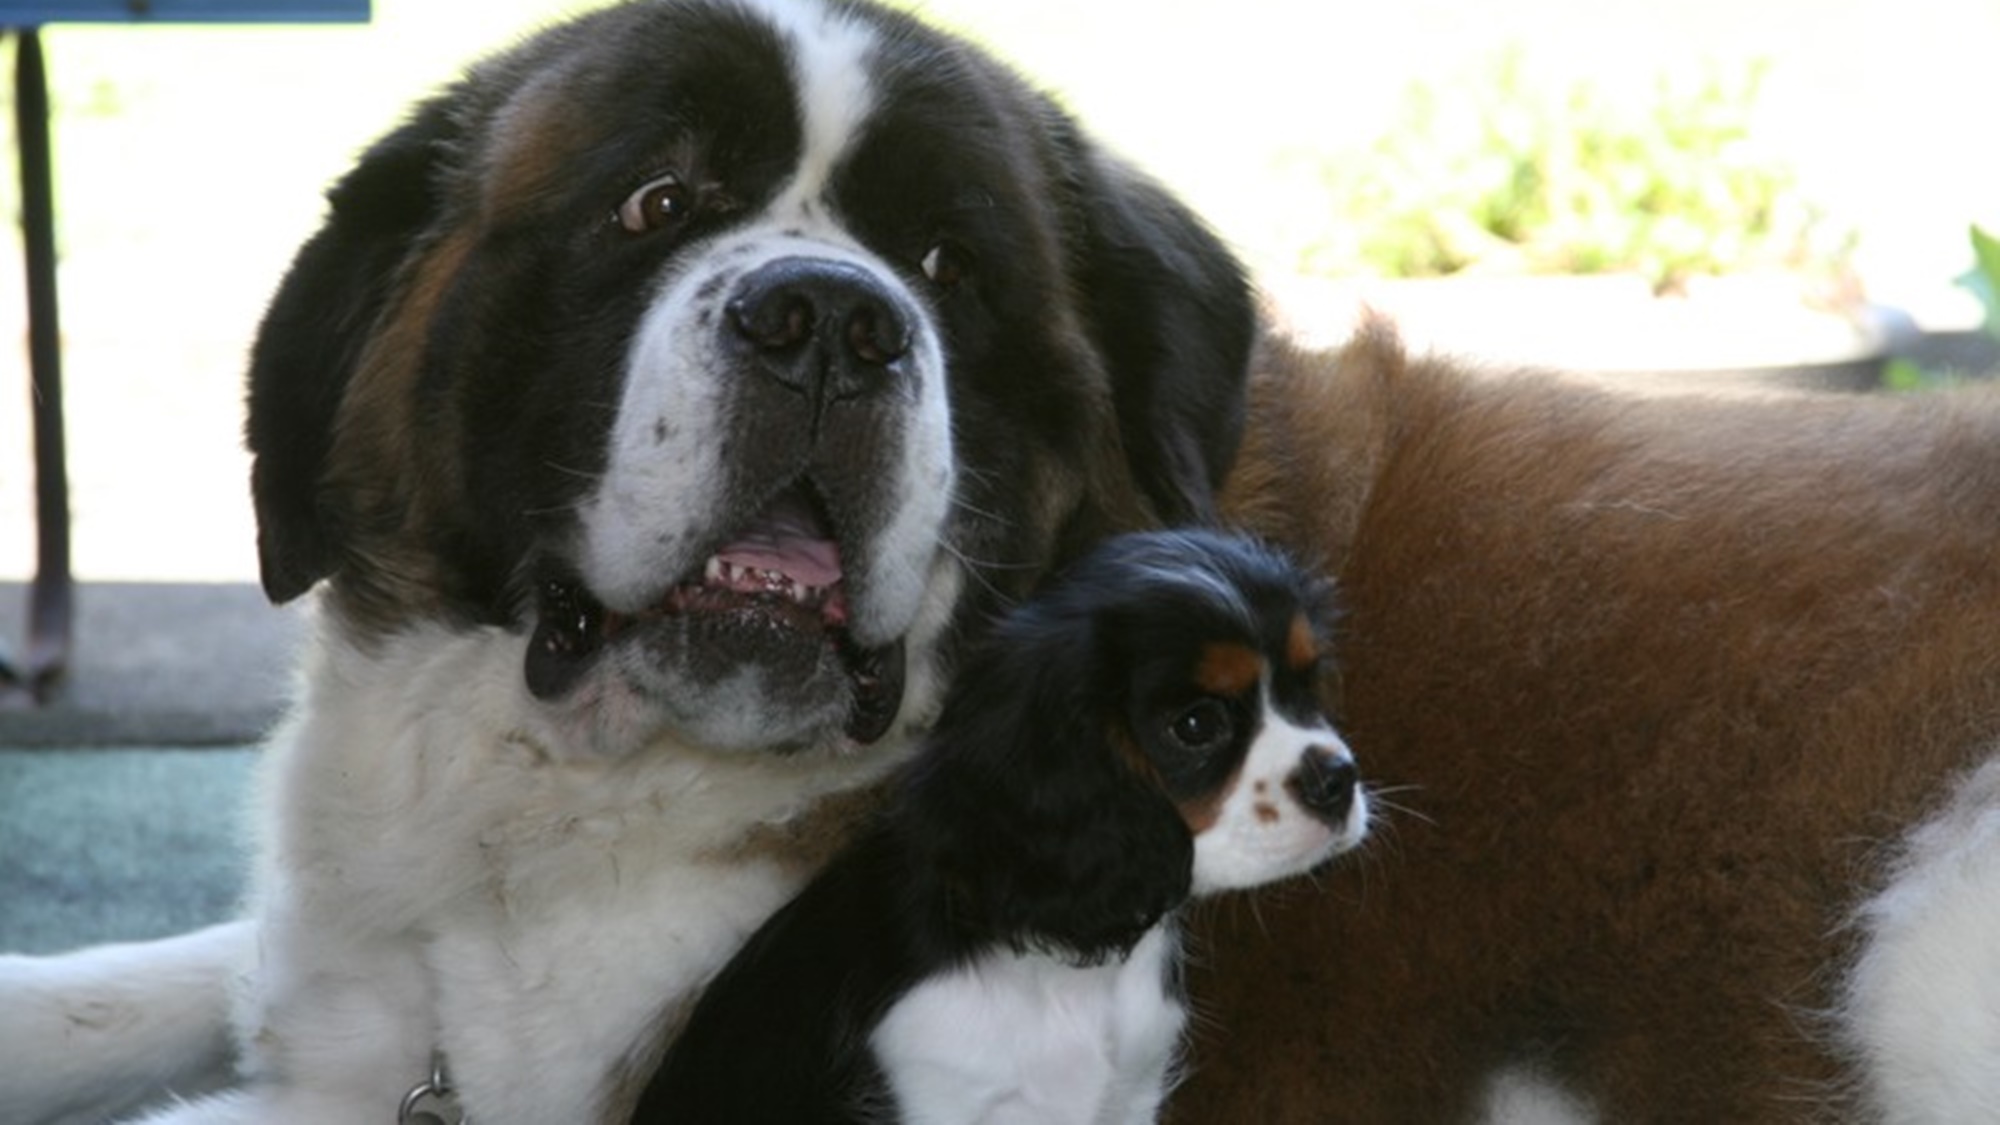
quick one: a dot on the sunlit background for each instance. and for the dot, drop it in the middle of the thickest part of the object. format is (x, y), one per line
(190, 163)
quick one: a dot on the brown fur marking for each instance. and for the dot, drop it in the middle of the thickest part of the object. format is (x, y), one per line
(1661, 677)
(1228, 669)
(382, 480)
(1301, 646)
(1202, 812)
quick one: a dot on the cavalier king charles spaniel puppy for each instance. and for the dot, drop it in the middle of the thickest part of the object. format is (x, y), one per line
(1000, 944)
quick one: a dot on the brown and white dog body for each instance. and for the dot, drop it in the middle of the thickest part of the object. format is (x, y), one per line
(1697, 703)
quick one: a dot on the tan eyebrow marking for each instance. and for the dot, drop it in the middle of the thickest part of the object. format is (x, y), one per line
(1301, 646)
(1228, 669)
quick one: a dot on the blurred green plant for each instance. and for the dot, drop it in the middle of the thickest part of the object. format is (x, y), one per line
(1983, 282)
(1498, 175)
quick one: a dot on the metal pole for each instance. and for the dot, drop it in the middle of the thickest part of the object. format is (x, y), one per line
(51, 597)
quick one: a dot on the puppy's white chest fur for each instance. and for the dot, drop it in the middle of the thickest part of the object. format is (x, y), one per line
(1026, 1037)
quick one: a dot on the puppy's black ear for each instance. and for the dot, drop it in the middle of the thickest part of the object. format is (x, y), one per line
(313, 335)
(1174, 316)
(1034, 818)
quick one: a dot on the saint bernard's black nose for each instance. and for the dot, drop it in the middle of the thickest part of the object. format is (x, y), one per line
(824, 328)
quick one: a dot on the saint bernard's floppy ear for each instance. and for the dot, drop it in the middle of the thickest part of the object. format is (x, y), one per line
(313, 335)
(1174, 314)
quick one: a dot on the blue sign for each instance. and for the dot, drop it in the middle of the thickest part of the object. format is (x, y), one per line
(20, 13)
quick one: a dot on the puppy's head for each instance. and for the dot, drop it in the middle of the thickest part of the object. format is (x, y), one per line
(1146, 729)
(729, 357)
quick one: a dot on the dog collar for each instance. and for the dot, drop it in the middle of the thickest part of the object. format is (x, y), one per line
(432, 1101)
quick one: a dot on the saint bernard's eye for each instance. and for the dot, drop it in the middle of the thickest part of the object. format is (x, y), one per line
(659, 204)
(947, 264)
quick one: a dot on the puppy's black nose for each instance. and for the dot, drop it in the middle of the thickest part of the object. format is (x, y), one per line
(827, 329)
(1324, 783)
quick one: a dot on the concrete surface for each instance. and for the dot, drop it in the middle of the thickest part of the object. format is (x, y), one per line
(179, 663)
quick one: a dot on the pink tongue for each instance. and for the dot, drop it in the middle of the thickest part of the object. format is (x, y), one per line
(790, 540)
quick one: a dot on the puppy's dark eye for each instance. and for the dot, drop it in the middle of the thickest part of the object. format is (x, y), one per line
(1205, 726)
(947, 264)
(659, 204)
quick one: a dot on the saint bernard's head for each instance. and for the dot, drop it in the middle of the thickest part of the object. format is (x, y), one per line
(732, 358)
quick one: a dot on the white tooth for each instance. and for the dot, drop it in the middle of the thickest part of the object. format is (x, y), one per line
(716, 571)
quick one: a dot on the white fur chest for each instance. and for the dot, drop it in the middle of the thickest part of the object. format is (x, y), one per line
(436, 875)
(1026, 1038)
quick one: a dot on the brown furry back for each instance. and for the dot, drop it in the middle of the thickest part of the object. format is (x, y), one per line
(1653, 683)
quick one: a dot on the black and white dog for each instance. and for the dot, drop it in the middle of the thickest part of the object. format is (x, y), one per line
(1001, 945)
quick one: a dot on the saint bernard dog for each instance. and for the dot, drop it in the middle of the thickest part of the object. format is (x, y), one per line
(661, 410)
(658, 411)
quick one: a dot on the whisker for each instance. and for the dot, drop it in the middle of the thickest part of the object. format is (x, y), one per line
(990, 564)
(961, 504)
(580, 474)
(1383, 798)
(977, 570)
(553, 510)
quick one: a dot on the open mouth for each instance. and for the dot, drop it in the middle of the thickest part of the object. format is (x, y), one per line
(777, 583)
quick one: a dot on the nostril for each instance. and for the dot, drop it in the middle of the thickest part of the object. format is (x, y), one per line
(1325, 782)
(876, 335)
(774, 320)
